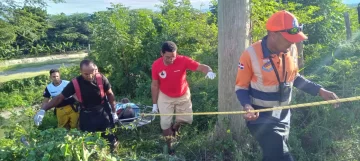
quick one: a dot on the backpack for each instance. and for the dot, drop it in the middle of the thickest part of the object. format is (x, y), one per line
(99, 82)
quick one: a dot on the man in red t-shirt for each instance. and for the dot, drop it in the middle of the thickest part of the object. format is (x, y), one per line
(170, 90)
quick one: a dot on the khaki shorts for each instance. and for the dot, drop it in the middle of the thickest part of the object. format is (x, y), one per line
(167, 105)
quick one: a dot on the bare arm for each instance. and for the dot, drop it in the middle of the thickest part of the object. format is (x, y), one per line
(45, 101)
(54, 102)
(154, 91)
(111, 98)
(204, 68)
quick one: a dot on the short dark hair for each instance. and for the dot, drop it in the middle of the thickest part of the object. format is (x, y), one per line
(54, 71)
(85, 62)
(128, 113)
(168, 46)
(125, 100)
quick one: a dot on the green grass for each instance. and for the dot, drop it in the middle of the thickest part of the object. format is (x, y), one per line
(2, 135)
(45, 55)
(21, 76)
(2, 122)
(10, 77)
(8, 118)
(58, 61)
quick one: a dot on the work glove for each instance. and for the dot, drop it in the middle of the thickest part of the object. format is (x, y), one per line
(115, 116)
(155, 108)
(39, 117)
(210, 75)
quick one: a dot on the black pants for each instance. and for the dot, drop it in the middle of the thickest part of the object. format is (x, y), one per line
(273, 140)
(97, 119)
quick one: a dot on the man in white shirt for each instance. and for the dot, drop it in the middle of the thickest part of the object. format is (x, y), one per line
(66, 112)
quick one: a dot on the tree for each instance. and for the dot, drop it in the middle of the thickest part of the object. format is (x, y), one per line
(7, 33)
(214, 11)
(233, 25)
(23, 24)
(30, 25)
(130, 40)
(300, 50)
(73, 28)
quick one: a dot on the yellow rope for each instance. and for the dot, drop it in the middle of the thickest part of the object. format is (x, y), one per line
(264, 110)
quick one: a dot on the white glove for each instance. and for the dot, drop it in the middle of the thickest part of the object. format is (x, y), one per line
(210, 75)
(39, 117)
(115, 116)
(155, 108)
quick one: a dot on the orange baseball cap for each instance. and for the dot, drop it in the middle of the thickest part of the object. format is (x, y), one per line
(287, 24)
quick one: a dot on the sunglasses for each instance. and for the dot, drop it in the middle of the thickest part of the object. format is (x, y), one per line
(294, 30)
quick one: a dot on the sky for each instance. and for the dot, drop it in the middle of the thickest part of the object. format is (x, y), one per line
(90, 6)
(351, 1)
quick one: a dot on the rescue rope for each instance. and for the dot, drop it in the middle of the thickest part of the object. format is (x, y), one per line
(349, 99)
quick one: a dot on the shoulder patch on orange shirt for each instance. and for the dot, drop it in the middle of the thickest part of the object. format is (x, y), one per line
(241, 66)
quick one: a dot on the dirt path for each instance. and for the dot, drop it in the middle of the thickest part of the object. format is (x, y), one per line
(34, 69)
(43, 59)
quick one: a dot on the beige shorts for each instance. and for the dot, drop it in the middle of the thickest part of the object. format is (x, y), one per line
(167, 105)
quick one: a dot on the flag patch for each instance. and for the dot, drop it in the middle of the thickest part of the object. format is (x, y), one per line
(241, 66)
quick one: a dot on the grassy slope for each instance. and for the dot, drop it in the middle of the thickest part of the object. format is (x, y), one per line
(38, 64)
(21, 76)
(14, 74)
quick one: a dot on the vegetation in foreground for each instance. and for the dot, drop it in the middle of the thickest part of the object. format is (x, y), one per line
(125, 49)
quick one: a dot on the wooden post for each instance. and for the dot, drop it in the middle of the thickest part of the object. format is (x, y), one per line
(347, 25)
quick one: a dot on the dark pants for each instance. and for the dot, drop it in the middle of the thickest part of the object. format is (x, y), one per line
(273, 140)
(97, 119)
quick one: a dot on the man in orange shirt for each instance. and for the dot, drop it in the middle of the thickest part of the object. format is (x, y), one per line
(267, 71)
(170, 90)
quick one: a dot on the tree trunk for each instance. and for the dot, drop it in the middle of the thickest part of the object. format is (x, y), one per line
(300, 50)
(347, 25)
(233, 38)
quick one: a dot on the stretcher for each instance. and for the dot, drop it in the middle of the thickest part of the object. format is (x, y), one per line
(138, 120)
